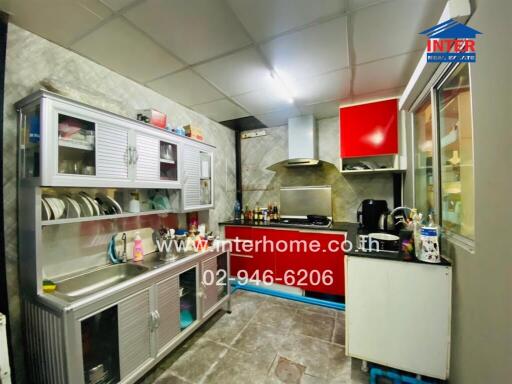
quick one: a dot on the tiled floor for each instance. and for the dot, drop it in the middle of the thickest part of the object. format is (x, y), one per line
(263, 340)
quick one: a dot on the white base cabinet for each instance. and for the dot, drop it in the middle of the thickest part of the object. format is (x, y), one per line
(398, 314)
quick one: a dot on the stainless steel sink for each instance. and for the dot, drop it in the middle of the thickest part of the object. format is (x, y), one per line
(154, 260)
(96, 280)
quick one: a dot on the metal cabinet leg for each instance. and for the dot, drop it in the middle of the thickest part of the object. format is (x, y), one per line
(228, 305)
(364, 366)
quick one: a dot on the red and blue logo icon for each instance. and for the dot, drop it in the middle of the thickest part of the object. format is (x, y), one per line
(451, 42)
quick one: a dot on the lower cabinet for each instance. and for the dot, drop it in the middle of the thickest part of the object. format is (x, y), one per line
(297, 264)
(121, 341)
(214, 281)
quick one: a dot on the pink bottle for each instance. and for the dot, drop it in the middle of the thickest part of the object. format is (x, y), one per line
(138, 252)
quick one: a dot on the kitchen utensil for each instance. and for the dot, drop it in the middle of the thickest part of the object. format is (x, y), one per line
(85, 206)
(386, 241)
(161, 202)
(46, 213)
(94, 204)
(89, 170)
(72, 207)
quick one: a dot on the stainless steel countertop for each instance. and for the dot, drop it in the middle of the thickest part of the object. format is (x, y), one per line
(155, 267)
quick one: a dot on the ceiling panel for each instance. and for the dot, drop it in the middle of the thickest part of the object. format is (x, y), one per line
(60, 21)
(392, 28)
(357, 4)
(262, 101)
(192, 30)
(238, 73)
(266, 18)
(186, 87)
(220, 110)
(122, 48)
(311, 51)
(116, 5)
(384, 74)
(277, 118)
(322, 110)
(330, 86)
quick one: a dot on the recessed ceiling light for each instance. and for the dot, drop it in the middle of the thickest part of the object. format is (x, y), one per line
(280, 89)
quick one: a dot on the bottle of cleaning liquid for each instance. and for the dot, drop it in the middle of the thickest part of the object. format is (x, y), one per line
(138, 252)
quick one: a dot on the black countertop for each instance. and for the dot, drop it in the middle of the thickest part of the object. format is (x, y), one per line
(341, 226)
(350, 228)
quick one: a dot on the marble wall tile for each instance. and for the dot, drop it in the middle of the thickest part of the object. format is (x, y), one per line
(261, 186)
(33, 63)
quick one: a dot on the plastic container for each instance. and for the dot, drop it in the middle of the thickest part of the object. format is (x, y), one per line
(138, 252)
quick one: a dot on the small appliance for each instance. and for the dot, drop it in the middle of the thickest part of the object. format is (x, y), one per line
(370, 212)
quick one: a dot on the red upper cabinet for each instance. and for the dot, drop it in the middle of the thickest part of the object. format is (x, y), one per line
(369, 129)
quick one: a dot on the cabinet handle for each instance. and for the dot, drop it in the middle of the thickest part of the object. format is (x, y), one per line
(154, 321)
(157, 314)
(128, 155)
(136, 153)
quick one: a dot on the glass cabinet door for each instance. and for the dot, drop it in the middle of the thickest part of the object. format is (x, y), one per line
(456, 152)
(100, 347)
(423, 150)
(188, 298)
(168, 161)
(77, 142)
(29, 141)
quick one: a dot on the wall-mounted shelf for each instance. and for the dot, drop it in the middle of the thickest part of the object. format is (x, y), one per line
(378, 170)
(45, 223)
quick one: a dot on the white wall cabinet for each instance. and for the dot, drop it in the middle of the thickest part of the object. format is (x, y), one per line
(398, 314)
(68, 144)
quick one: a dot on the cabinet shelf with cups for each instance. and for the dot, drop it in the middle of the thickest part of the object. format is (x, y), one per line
(65, 143)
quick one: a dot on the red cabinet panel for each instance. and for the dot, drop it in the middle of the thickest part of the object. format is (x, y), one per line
(241, 258)
(369, 129)
(264, 255)
(306, 267)
(314, 263)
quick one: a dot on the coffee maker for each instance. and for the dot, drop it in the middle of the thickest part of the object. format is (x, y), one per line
(369, 214)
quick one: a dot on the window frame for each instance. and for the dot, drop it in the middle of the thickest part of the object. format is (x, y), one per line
(431, 90)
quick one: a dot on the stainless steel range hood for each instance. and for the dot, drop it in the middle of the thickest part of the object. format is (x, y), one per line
(302, 143)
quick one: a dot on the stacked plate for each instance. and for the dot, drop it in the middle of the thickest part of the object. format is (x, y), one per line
(78, 205)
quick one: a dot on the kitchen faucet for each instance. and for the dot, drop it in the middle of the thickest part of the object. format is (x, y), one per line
(112, 252)
(124, 257)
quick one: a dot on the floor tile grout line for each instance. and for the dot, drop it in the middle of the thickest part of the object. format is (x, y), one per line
(227, 346)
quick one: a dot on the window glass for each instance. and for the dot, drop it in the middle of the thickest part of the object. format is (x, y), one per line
(423, 175)
(456, 153)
